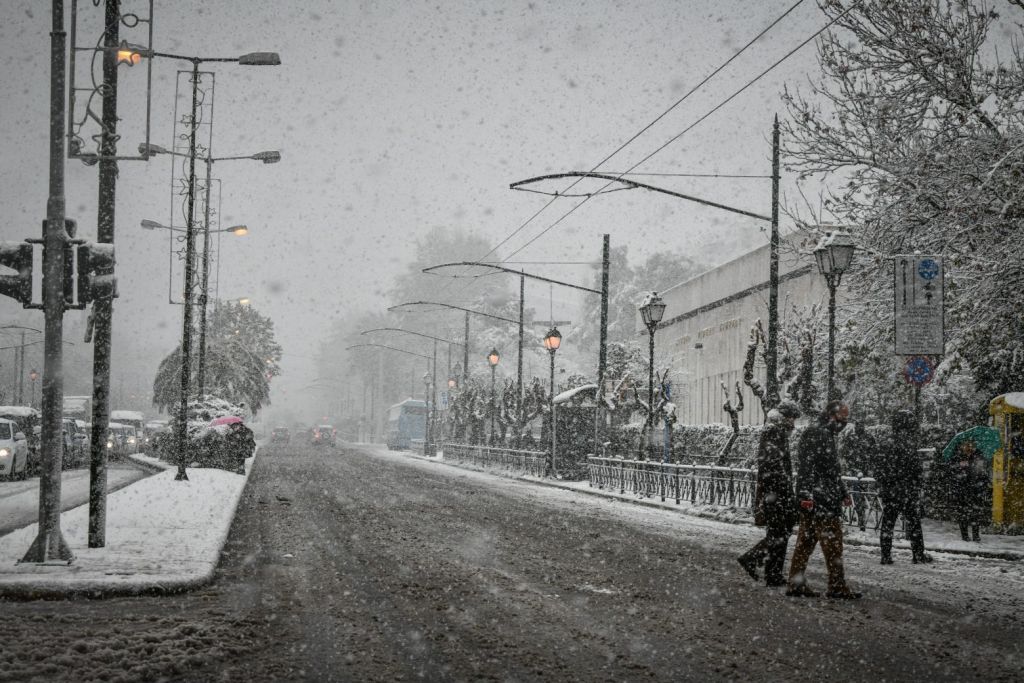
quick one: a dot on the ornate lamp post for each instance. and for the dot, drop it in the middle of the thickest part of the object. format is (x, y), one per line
(552, 340)
(33, 375)
(427, 380)
(492, 358)
(834, 253)
(652, 309)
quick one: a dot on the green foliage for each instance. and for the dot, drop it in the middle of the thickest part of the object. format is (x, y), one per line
(242, 357)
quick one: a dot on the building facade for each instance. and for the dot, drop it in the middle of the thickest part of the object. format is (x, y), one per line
(705, 331)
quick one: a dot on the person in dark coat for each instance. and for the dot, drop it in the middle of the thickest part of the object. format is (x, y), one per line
(822, 496)
(900, 477)
(970, 482)
(774, 498)
(240, 445)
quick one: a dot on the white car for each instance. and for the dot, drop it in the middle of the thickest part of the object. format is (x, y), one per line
(13, 451)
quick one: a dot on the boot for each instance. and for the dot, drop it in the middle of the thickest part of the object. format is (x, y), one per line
(976, 532)
(749, 565)
(963, 531)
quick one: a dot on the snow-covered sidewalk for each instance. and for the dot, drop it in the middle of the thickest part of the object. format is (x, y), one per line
(162, 536)
(939, 536)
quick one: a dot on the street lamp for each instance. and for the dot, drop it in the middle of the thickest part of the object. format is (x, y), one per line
(239, 230)
(492, 358)
(33, 375)
(834, 253)
(652, 309)
(552, 340)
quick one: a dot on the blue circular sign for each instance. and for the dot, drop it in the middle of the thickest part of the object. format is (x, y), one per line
(928, 269)
(919, 370)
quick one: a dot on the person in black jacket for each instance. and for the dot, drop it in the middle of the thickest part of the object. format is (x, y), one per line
(822, 496)
(774, 499)
(240, 445)
(900, 477)
(971, 482)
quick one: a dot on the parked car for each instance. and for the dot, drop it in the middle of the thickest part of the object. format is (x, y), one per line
(280, 435)
(28, 424)
(76, 445)
(13, 451)
(324, 435)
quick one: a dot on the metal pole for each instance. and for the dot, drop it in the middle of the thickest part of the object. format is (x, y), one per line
(432, 406)
(551, 408)
(204, 290)
(465, 355)
(492, 405)
(602, 355)
(650, 389)
(49, 543)
(103, 308)
(519, 364)
(190, 246)
(771, 355)
(21, 370)
(832, 284)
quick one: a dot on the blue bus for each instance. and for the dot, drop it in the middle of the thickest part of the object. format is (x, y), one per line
(406, 421)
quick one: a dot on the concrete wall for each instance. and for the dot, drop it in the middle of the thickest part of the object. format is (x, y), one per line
(716, 310)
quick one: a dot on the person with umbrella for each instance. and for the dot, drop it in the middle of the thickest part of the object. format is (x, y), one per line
(970, 489)
(969, 454)
(900, 477)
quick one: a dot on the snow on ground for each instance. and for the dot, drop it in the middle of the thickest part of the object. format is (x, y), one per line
(162, 535)
(962, 581)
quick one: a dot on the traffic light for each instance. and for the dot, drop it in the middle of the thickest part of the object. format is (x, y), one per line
(17, 256)
(96, 272)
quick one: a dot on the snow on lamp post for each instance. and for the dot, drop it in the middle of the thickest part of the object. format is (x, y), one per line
(552, 340)
(652, 310)
(834, 253)
(492, 358)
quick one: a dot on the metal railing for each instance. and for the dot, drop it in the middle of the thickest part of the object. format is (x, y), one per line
(506, 459)
(713, 485)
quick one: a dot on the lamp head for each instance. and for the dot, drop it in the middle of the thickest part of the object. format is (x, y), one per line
(239, 230)
(452, 382)
(260, 59)
(268, 157)
(244, 301)
(33, 374)
(652, 310)
(493, 357)
(834, 252)
(147, 149)
(553, 340)
(151, 225)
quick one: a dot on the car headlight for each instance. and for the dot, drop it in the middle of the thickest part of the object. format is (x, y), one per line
(131, 440)
(110, 444)
(4, 452)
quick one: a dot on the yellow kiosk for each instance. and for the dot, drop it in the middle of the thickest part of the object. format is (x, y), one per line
(1007, 413)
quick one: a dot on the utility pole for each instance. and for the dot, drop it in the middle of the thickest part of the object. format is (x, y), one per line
(771, 354)
(21, 370)
(49, 543)
(103, 307)
(602, 357)
(465, 355)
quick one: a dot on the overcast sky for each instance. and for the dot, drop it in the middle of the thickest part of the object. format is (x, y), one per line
(394, 117)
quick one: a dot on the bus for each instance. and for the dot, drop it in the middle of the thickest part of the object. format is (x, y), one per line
(406, 421)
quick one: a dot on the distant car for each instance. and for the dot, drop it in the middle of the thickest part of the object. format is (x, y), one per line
(280, 435)
(324, 435)
(13, 451)
(76, 445)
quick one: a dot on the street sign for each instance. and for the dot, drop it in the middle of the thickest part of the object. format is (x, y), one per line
(919, 371)
(919, 305)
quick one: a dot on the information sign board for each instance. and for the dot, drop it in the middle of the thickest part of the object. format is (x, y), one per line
(919, 305)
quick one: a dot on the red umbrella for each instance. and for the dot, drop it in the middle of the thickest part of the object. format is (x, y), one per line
(226, 420)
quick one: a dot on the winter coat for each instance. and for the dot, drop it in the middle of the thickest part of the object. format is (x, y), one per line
(899, 472)
(819, 473)
(775, 499)
(860, 454)
(971, 482)
(240, 443)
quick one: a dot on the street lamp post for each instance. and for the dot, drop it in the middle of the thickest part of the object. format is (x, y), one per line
(428, 380)
(834, 253)
(250, 59)
(552, 340)
(33, 375)
(492, 358)
(651, 310)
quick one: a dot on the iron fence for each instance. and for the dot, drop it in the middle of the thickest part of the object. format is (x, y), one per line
(506, 459)
(714, 485)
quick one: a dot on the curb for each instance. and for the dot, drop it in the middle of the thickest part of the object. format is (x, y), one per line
(25, 593)
(598, 493)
